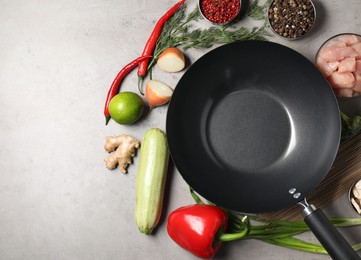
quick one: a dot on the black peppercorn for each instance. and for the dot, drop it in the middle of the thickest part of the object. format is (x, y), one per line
(291, 18)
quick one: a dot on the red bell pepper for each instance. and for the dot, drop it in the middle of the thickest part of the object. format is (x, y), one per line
(197, 227)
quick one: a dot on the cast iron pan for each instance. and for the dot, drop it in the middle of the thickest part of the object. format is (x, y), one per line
(253, 127)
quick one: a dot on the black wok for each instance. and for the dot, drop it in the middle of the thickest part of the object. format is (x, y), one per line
(253, 127)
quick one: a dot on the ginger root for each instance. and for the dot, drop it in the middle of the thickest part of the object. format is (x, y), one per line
(123, 148)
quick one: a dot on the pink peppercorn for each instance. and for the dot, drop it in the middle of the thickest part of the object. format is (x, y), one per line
(220, 11)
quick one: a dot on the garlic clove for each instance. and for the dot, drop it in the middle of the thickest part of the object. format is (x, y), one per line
(356, 205)
(356, 192)
(358, 185)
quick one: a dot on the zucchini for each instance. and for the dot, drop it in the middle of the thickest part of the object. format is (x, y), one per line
(151, 178)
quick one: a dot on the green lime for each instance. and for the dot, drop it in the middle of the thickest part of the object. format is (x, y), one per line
(126, 108)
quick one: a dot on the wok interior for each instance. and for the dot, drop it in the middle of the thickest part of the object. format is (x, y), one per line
(257, 133)
(248, 122)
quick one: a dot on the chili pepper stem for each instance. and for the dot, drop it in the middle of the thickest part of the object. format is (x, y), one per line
(107, 119)
(140, 88)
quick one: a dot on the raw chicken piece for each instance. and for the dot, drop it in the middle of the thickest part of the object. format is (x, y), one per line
(347, 65)
(342, 80)
(336, 53)
(357, 86)
(325, 67)
(358, 67)
(357, 74)
(335, 42)
(357, 48)
(349, 39)
(343, 92)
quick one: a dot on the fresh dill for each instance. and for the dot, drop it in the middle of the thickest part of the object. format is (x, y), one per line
(178, 31)
(257, 11)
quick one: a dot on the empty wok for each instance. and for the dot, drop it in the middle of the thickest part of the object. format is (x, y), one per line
(253, 127)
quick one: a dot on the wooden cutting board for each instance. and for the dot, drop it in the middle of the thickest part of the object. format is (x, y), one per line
(344, 172)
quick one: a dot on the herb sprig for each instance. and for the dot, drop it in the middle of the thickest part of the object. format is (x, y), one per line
(179, 31)
(277, 232)
(351, 126)
(257, 11)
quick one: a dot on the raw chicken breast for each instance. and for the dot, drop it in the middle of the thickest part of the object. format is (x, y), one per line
(358, 67)
(336, 53)
(335, 42)
(325, 67)
(357, 74)
(357, 48)
(339, 60)
(342, 80)
(349, 39)
(347, 65)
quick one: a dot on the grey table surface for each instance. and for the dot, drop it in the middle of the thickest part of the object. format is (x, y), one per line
(57, 199)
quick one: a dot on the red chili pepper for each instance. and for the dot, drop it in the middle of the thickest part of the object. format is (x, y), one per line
(150, 45)
(195, 228)
(114, 88)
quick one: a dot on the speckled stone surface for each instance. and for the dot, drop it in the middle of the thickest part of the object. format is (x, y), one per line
(57, 199)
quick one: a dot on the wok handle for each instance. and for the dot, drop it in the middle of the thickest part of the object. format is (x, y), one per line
(331, 239)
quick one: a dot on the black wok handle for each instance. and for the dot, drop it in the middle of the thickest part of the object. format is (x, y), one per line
(331, 239)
